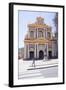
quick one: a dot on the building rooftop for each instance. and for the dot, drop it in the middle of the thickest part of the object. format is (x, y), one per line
(39, 23)
(40, 18)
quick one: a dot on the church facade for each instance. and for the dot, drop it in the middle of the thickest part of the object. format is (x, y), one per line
(39, 42)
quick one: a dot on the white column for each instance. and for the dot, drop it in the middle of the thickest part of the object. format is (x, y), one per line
(28, 34)
(43, 47)
(44, 52)
(34, 34)
(47, 50)
(28, 51)
(37, 32)
(24, 51)
(51, 34)
(35, 52)
(44, 34)
(53, 49)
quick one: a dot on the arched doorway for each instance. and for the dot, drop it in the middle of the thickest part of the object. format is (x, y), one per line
(41, 54)
(31, 54)
(50, 54)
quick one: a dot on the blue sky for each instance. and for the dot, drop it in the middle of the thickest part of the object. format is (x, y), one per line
(26, 17)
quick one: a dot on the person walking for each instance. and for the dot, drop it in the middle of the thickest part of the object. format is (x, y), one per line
(33, 63)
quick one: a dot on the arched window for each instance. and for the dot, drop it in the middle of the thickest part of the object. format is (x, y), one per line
(32, 34)
(48, 34)
(40, 34)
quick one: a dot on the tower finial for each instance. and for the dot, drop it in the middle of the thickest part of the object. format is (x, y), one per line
(40, 20)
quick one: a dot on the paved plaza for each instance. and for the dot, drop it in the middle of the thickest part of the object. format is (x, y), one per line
(41, 69)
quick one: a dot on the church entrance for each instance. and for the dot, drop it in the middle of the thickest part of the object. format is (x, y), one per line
(31, 54)
(41, 54)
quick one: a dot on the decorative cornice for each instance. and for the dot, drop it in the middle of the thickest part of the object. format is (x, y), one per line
(39, 26)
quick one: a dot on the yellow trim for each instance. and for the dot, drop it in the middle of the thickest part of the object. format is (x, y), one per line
(39, 25)
(40, 41)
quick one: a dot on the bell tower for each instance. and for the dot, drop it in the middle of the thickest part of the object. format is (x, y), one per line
(40, 20)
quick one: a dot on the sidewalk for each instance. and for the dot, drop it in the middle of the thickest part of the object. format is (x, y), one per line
(40, 64)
